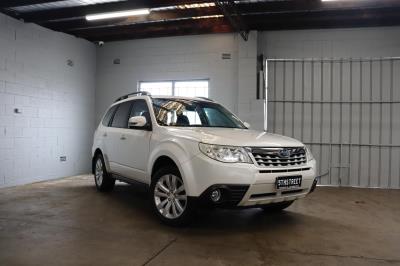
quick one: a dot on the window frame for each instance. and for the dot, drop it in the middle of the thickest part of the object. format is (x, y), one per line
(173, 82)
(149, 126)
(115, 107)
(115, 112)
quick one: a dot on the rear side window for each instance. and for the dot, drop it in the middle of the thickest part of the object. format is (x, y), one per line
(108, 116)
(121, 116)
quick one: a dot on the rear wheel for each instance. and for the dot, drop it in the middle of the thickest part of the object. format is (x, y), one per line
(169, 197)
(277, 207)
(104, 181)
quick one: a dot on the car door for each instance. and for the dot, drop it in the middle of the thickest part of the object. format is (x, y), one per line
(118, 127)
(132, 150)
(104, 131)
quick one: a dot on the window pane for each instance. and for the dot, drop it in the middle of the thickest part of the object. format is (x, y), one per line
(157, 88)
(140, 108)
(121, 115)
(107, 117)
(194, 88)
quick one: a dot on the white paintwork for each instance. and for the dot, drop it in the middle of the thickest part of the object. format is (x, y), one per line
(135, 154)
(137, 121)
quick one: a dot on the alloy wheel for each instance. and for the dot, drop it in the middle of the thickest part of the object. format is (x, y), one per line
(170, 196)
(99, 172)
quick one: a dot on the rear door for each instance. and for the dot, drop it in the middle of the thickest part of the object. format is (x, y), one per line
(104, 131)
(118, 126)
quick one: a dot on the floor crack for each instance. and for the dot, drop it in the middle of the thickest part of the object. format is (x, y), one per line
(160, 251)
(340, 256)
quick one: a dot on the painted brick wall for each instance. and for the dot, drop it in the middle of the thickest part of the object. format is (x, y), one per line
(56, 103)
(187, 57)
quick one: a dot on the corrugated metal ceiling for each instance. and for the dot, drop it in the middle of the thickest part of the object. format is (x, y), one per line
(60, 4)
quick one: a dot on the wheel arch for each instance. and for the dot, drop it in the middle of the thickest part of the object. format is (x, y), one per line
(161, 161)
(96, 152)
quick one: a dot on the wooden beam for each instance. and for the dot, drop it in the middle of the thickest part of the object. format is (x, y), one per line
(175, 28)
(82, 11)
(154, 16)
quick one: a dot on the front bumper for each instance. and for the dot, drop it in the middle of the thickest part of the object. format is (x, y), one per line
(201, 174)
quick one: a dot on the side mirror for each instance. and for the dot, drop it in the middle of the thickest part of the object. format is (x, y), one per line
(137, 122)
(246, 124)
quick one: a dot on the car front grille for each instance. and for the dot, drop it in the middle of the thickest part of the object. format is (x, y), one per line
(279, 157)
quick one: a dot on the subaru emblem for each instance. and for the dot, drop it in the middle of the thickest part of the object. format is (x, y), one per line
(284, 153)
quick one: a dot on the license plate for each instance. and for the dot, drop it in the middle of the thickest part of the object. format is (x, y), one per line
(288, 181)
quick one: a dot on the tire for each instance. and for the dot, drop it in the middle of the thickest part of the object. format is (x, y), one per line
(103, 180)
(277, 207)
(169, 199)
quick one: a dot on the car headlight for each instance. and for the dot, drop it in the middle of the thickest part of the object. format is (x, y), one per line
(309, 155)
(226, 154)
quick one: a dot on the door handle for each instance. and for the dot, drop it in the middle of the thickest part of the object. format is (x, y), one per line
(123, 137)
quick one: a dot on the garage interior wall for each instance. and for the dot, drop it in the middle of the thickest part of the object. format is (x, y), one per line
(345, 106)
(46, 103)
(49, 105)
(170, 58)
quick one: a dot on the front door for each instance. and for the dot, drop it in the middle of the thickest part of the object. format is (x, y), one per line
(131, 146)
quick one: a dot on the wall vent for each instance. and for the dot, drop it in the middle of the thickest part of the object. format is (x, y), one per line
(226, 56)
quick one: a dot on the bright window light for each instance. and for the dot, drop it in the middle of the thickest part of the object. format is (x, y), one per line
(184, 88)
(157, 88)
(193, 88)
(119, 14)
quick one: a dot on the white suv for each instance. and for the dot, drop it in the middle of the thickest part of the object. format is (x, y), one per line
(192, 152)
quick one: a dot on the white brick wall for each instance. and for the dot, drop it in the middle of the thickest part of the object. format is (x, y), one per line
(187, 57)
(56, 103)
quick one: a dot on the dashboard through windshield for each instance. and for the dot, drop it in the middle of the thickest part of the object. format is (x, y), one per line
(192, 113)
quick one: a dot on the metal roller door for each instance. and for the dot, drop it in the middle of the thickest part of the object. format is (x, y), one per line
(346, 110)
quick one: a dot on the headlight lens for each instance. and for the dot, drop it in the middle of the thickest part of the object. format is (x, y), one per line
(226, 154)
(309, 154)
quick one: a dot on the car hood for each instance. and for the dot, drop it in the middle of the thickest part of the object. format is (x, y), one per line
(234, 137)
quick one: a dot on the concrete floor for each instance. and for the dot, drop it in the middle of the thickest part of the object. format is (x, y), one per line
(67, 222)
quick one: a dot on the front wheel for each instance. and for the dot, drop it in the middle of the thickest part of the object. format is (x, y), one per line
(169, 197)
(104, 182)
(277, 207)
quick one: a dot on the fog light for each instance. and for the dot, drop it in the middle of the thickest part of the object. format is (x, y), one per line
(215, 195)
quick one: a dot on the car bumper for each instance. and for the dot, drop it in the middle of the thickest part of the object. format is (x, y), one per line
(244, 185)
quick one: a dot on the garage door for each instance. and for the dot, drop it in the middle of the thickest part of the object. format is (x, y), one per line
(346, 110)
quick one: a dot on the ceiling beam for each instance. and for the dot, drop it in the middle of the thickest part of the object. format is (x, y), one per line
(300, 20)
(183, 27)
(286, 6)
(18, 3)
(231, 13)
(165, 15)
(82, 11)
(325, 19)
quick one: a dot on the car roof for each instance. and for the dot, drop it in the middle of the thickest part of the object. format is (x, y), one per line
(202, 99)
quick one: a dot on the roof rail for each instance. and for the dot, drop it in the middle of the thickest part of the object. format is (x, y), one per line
(133, 94)
(205, 98)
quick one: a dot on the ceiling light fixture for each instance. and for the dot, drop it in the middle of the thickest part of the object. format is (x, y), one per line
(209, 16)
(198, 5)
(119, 14)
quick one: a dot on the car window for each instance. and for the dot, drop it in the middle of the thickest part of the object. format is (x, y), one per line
(121, 116)
(192, 113)
(216, 117)
(140, 108)
(108, 116)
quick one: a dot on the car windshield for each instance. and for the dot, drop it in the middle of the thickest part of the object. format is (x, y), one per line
(192, 113)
